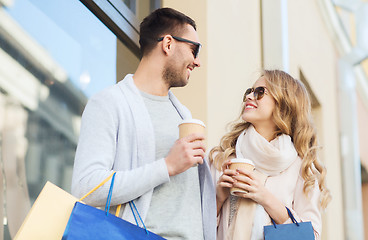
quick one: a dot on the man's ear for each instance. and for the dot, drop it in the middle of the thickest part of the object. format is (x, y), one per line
(167, 44)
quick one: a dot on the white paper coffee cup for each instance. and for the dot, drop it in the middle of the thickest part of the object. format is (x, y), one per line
(240, 163)
(190, 126)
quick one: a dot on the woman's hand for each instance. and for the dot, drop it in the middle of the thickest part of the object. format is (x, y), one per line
(248, 181)
(254, 185)
(225, 182)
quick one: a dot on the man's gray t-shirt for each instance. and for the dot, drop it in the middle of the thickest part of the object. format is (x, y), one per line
(175, 210)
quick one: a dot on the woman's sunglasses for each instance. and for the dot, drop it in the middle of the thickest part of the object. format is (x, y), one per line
(259, 92)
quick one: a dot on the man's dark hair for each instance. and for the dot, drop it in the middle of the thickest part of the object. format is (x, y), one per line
(159, 23)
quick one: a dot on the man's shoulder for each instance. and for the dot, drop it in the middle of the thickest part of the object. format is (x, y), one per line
(112, 92)
(108, 94)
(113, 88)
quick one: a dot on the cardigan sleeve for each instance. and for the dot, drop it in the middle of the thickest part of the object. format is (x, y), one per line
(307, 207)
(96, 155)
(223, 216)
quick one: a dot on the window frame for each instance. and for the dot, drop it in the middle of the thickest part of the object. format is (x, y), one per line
(119, 19)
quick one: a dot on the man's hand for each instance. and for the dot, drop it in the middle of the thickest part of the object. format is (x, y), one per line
(186, 152)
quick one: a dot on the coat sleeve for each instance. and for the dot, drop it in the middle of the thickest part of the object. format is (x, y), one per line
(96, 154)
(223, 216)
(307, 207)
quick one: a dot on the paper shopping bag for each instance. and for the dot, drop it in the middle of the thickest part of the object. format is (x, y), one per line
(291, 231)
(90, 223)
(48, 216)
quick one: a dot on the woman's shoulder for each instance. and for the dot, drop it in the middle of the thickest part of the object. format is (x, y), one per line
(295, 166)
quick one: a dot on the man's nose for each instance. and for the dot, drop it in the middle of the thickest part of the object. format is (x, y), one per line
(197, 62)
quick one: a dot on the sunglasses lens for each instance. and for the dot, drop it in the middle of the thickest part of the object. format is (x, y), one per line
(259, 93)
(248, 91)
(196, 51)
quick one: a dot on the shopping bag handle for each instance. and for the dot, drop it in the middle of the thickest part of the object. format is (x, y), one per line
(108, 201)
(131, 203)
(291, 217)
(112, 175)
(98, 186)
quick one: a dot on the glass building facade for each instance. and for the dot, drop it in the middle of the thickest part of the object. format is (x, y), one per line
(54, 55)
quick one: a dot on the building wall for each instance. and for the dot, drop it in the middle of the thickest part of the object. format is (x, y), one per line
(230, 60)
(363, 134)
(234, 60)
(312, 52)
(365, 208)
(363, 131)
(232, 55)
(195, 94)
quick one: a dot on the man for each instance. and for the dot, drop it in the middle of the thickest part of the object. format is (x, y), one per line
(132, 128)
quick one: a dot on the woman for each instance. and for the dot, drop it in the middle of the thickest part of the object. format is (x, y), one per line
(276, 132)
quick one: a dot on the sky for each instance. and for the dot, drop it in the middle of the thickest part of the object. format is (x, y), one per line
(83, 46)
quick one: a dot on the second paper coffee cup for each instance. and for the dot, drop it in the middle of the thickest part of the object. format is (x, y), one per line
(240, 163)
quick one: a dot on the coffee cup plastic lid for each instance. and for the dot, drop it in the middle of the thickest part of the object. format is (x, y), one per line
(192, 120)
(242, 160)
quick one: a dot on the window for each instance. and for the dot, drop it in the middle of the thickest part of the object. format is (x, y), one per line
(54, 55)
(123, 17)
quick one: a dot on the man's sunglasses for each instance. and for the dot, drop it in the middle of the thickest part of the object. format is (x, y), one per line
(196, 44)
(259, 92)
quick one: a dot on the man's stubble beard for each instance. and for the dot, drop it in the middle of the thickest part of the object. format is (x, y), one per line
(173, 77)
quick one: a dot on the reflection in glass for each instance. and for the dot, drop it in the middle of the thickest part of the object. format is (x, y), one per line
(54, 55)
(130, 4)
(142, 8)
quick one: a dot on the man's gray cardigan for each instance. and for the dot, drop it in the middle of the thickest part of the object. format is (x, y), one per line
(117, 135)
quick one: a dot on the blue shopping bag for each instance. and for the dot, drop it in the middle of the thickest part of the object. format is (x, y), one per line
(292, 231)
(87, 222)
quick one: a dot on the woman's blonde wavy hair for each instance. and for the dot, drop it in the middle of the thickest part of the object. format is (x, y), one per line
(292, 116)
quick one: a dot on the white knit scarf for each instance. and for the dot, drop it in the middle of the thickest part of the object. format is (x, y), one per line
(270, 159)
